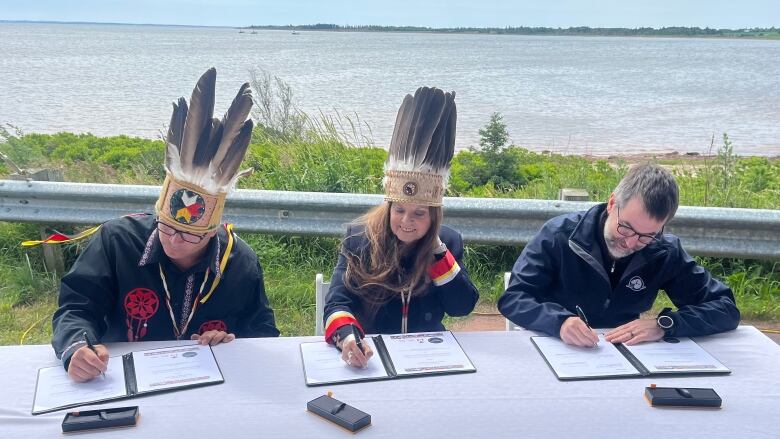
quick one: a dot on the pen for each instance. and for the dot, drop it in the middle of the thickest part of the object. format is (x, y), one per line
(358, 340)
(582, 317)
(92, 348)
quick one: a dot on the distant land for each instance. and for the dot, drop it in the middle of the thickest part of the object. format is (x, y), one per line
(771, 33)
(697, 32)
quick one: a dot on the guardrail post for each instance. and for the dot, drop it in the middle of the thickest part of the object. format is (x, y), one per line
(569, 194)
(53, 258)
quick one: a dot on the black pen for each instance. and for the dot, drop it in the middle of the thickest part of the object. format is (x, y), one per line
(582, 317)
(358, 340)
(92, 348)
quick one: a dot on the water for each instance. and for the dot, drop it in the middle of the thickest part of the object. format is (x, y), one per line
(581, 95)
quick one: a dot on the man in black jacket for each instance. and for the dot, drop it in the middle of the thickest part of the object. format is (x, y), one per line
(178, 274)
(611, 261)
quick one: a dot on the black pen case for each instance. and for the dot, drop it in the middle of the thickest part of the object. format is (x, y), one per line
(338, 412)
(682, 397)
(102, 418)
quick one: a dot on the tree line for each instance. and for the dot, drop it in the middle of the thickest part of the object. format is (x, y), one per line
(557, 31)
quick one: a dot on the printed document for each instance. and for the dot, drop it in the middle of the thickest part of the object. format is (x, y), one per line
(569, 361)
(682, 355)
(426, 352)
(322, 363)
(139, 372)
(56, 389)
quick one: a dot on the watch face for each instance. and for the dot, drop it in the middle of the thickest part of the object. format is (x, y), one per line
(665, 322)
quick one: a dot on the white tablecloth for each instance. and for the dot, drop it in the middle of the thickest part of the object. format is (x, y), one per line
(513, 394)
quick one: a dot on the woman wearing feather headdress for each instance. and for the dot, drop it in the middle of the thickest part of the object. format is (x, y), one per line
(400, 270)
(178, 274)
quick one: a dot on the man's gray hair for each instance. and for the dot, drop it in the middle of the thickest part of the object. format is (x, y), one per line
(655, 187)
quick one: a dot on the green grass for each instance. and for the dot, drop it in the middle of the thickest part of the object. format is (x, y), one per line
(28, 292)
(27, 324)
(292, 298)
(27, 301)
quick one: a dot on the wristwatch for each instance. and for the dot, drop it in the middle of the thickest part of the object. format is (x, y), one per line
(665, 321)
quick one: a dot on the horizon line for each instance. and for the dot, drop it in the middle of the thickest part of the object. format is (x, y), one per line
(369, 25)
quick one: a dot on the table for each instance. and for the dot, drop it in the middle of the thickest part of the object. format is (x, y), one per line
(513, 394)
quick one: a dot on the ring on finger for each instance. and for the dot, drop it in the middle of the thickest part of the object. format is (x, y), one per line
(350, 354)
(631, 334)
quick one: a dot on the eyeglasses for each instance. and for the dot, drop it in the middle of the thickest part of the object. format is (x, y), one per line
(167, 230)
(628, 232)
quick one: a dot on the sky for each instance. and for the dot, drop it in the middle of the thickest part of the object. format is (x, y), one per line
(731, 14)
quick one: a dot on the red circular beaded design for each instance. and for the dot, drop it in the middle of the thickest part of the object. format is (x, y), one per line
(212, 325)
(140, 305)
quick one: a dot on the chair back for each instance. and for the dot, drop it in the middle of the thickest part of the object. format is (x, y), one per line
(509, 325)
(320, 290)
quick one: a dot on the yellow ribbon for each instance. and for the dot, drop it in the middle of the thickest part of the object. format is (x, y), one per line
(61, 238)
(222, 263)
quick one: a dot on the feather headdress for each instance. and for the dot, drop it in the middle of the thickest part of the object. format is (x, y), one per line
(202, 156)
(423, 143)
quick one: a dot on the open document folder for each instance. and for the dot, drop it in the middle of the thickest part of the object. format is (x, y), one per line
(395, 356)
(129, 375)
(606, 360)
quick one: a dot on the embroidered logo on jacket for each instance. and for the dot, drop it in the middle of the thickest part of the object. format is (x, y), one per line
(140, 305)
(636, 283)
(212, 325)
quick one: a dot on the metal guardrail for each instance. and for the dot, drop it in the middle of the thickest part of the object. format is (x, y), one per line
(743, 233)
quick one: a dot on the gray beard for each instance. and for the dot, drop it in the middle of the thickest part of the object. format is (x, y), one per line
(612, 248)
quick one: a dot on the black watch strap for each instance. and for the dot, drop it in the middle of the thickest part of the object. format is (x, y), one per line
(665, 321)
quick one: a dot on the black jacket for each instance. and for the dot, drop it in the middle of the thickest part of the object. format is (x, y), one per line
(563, 267)
(114, 291)
(455, 295)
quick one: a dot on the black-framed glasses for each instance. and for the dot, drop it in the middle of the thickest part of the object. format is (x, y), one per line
(629, 232)
(167, 230)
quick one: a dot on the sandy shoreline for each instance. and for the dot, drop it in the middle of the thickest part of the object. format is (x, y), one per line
(660, 156)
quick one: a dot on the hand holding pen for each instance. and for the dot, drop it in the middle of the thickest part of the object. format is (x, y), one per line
(353, 351)
(577, 331)
(92, 348)
(88, 361)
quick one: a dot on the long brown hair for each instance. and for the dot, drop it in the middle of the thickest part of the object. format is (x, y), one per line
(379, 278)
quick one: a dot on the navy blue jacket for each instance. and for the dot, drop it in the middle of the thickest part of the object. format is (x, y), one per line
(457, 296)
(562, 267)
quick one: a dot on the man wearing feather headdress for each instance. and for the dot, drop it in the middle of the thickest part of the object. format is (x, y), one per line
(400, 270)
(178, 274)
